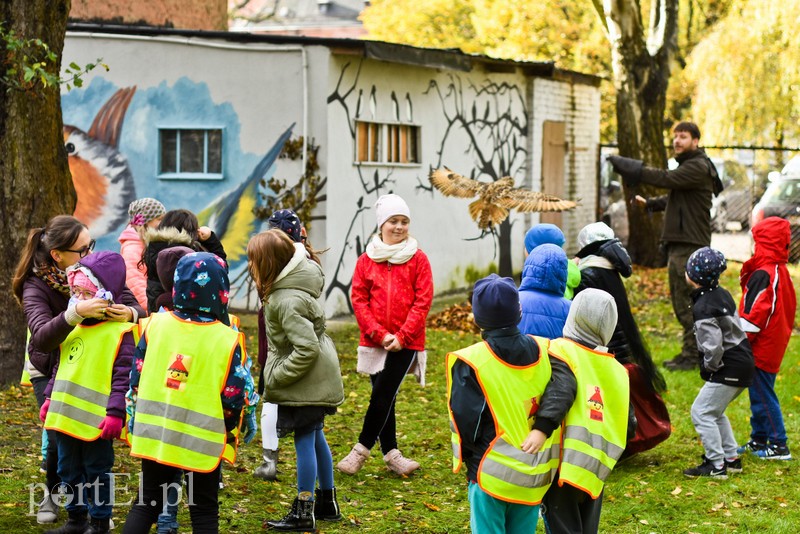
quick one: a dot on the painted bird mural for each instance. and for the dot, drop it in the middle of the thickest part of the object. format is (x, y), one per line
(231, 214)
(495, 199)
(103, 182)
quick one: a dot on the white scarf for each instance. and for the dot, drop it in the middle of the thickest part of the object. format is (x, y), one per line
(594, 261)
(379, 252)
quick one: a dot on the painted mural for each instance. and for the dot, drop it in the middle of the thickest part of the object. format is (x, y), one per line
(489, 122)
(111, 135)
(486, 125)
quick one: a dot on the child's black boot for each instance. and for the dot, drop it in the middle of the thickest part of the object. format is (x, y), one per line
(98, 526)
(325, 505)
(77, 523)
(299, 519)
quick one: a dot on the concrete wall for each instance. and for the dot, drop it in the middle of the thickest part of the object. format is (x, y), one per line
(188, 14)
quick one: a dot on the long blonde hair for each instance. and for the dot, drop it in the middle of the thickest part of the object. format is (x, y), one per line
(267, 254)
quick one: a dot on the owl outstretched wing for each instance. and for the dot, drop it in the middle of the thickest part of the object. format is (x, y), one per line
(452, 184)
(533, 201)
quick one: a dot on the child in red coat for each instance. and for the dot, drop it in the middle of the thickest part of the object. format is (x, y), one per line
(392, 293)
(767, 313)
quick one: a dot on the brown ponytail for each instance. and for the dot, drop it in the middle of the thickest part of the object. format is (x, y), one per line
(59, 234)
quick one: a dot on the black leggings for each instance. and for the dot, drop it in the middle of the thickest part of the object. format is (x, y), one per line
(201, 488)
(379, 421)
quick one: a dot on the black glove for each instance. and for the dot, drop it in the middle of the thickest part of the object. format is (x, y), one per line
(630, 169)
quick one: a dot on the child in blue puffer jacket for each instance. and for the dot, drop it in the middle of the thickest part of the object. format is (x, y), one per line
(541, 293)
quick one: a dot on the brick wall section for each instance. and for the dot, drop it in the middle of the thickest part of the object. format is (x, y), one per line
(186, 14)
(579, 106)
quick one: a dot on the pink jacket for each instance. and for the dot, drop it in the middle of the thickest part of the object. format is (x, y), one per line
(131, 249)
(392, 299)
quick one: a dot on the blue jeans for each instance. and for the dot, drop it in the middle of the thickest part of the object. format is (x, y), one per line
(88, 463)
(488, 515)
(766, 419)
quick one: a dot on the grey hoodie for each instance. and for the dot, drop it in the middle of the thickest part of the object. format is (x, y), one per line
(592, 318)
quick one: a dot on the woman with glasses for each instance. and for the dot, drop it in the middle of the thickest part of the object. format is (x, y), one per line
(40, 286)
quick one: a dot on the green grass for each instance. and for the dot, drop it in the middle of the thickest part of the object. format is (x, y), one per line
(647, 493)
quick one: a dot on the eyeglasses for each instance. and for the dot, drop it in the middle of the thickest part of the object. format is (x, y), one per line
(83, 252)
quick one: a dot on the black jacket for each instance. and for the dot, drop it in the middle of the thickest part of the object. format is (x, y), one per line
(626, 343)
(471, 412)
(687, 218)
(157, 240)
(724, 352)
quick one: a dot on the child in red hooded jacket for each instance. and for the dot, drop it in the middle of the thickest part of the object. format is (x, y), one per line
(767, 313)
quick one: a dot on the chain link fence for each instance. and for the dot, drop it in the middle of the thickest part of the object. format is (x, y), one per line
(754, 189)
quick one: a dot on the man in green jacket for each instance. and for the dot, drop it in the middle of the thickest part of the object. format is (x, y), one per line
(687, 219)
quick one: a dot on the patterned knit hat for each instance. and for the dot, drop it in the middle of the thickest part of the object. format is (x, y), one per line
(705, 265)
(289, 222)
(144, 210)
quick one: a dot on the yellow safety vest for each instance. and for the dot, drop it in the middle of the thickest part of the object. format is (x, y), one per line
(595, 428)
(82, 385)
(179, 416)
(25, 380)
(512, 394)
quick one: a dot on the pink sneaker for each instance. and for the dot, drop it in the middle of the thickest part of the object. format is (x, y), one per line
(354, 461)
(396, 462)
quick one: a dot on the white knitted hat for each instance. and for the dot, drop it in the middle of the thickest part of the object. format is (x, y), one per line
(389, 205)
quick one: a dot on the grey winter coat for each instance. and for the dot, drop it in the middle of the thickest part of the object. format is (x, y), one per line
(302, 367)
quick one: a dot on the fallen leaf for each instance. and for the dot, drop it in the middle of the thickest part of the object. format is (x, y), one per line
(431, 507)
(644, 521)
(677, 490)
(718, 506)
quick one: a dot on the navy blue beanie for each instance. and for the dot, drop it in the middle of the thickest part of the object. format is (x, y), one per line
(705, 265)
(495, 303)
(289, 222)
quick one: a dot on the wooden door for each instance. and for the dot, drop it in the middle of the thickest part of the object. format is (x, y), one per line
(554, 151)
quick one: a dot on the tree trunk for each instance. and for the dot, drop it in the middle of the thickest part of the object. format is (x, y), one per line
(33, 164)
(641, 75)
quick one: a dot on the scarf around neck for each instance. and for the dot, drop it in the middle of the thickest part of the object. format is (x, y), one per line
(55, 278)
(379, 252)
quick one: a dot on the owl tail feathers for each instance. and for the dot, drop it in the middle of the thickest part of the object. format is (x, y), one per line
(486, 214)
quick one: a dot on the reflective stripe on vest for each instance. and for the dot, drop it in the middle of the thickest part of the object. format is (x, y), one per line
(512, 394)
(82, 384)
(595, 428)
(179, 417)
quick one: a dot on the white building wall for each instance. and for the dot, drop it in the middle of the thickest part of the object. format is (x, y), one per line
(258, 90)
(442, 103)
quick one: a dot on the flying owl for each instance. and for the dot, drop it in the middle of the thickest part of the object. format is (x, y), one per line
(495, 198)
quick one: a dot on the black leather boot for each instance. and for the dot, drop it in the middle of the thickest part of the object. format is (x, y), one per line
(77, 523)
(98, 526)
(325, 505)
(299, 519)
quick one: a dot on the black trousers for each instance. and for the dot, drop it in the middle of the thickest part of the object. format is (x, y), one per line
(379, 421)
(201, 492)
(568, 510)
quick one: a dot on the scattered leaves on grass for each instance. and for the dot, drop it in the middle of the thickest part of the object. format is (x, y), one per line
(431, 507)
